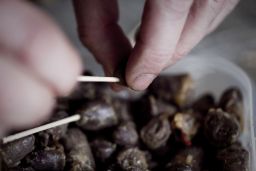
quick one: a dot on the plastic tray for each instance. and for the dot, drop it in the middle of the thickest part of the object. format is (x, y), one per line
(215, 75)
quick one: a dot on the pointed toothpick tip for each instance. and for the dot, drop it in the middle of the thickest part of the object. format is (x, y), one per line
(32, 131)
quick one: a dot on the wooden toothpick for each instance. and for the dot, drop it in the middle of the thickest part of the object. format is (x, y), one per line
(67, 120)
(97, 79)
(19, 135)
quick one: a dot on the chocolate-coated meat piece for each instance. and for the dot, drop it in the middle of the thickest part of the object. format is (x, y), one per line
(132, 159)
(186, 124)
(125, 134)
(79, 155)
(102, 149)
(220, 128)
(122, 109)
(153, 107)
(204, 103)
(97, 115)
(233, 158)
(189, 159)
(50, 158)
(176, 88)
(157, 132)
(231, 101)
(20, 168)
(13, 152)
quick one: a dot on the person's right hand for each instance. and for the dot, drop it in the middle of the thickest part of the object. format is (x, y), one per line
(37, 63)
(169, 30)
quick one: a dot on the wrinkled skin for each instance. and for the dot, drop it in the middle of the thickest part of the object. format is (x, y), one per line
(156, 133)
(50, 158)
(79, 155)
(189, 159)
(126, 134)
(233, 158)
(176, 88)
(96, 116)
(220, 128)
(102, 149)
(231, 101)
(132, 159)
(13, 152)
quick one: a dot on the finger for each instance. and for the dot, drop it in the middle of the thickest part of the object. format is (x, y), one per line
(24, 101)
(202, 14)
(160, 31)
(39, 45)
(227, 7)
(99, 31)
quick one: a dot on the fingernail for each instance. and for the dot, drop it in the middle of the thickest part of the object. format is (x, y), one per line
(142, 81)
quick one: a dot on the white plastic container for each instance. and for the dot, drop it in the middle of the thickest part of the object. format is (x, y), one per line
(215, 75)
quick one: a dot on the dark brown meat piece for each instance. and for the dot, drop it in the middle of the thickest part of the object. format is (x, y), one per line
(52, 135)
(204, 103)
(132, 159)
(125, 134)
(13, 152)
(84, 90)
(186, 125)
(60, 131)
(176, 88)
(50, 158)
(153, 107)
(189, 159)
(113, 167)
(90, 90)
(79, 156)
(20, 168)
(231, 101)
(233, 158)
(121, 107)
(156, 133)
(96, 116)
(102, 149)
(220, 128)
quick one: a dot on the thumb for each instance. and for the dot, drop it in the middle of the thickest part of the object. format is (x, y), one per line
(161, 28)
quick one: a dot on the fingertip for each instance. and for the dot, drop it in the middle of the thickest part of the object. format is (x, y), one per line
(141, 82)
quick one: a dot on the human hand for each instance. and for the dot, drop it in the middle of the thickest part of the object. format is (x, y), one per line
(37, 64)
(169, 30)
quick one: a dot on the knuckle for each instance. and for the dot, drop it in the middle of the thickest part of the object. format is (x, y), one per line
(152, 59)
(178, 55)
(155, 62)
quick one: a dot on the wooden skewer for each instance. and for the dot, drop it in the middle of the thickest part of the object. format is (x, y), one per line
(97, 79)
(67, 120)
(19, 135)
